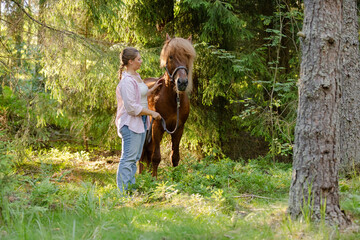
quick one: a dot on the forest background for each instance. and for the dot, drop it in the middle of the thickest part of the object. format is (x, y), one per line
(59, 70)
(59, 62)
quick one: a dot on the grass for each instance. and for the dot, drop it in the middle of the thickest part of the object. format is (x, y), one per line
(66, 194)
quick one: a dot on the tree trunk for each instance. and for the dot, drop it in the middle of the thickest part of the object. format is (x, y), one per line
(18, 22)
(350, 89)
(40, 40)
(84, 72)
(314, 188)
(1, 14)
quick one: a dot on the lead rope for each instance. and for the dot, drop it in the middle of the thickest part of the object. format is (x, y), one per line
(163, 123)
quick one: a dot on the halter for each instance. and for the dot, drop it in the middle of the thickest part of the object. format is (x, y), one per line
(163, 123)
(175, 71)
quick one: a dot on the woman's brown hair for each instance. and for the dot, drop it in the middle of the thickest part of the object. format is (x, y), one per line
(129, 53)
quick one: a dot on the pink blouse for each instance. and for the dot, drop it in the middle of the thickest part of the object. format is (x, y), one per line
(129, 105)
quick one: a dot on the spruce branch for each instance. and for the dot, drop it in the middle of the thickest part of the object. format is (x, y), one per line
(68, 33)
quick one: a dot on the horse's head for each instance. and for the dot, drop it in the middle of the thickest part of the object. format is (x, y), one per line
(177, 57)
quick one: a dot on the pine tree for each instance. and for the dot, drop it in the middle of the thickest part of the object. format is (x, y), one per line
(314, 191)
(350, 88)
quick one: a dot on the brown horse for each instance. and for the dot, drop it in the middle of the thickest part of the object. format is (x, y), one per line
(170, 100)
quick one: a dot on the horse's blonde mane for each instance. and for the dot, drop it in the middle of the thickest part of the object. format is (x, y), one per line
(182, 51)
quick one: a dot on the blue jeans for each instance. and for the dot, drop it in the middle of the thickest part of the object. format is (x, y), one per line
(132, 146)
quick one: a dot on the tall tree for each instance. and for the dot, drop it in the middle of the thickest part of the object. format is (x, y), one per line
(350, 88)
(16, 30)
(314, 184)
(40, 33)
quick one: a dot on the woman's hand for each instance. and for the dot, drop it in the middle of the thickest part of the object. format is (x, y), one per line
(153, 114)
(156, 115)
(157, 84)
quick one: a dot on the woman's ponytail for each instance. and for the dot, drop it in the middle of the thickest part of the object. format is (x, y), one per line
(121, 69)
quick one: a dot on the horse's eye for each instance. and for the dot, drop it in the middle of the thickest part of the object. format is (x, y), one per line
(171, 57)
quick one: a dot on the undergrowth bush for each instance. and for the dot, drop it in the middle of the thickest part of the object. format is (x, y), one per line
(350, 194)
(256, 176)
(6, 177)
(44, 193)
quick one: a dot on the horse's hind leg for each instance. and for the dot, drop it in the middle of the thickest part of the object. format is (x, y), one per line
(175, 139)
(144, 161)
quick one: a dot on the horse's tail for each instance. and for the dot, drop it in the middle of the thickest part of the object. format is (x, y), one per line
(148, 134)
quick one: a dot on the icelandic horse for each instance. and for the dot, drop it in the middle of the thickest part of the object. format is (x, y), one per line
(170, 100)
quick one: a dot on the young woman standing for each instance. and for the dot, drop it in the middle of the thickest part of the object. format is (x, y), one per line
(131, 116)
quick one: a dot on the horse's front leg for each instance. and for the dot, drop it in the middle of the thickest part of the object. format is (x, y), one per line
(175, 139)
(157, 135)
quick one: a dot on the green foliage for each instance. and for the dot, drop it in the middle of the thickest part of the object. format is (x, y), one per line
(7, 178)
(163, 191)
(352, 204)
(104, 15)
(12, 107)
(350, 191)
(308, 205)
(6, 163)
(88, 200)
(272, 115)
(145, 182)
(43, 193)
(145, 21)
(214, 21)
(29, 118)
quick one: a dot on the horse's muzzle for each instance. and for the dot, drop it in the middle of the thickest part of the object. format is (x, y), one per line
(182, 84)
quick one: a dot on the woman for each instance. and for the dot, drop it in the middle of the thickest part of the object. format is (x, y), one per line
(131, 116)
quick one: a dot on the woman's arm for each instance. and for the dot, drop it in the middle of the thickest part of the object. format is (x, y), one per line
(128, 93)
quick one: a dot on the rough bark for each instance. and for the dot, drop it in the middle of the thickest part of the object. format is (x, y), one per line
(316, 152)
(350, 89)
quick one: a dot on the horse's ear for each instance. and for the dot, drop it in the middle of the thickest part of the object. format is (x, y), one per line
(190, 38)
(167, 37)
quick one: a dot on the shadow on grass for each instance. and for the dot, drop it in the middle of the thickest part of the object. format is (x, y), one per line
(59, 172)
